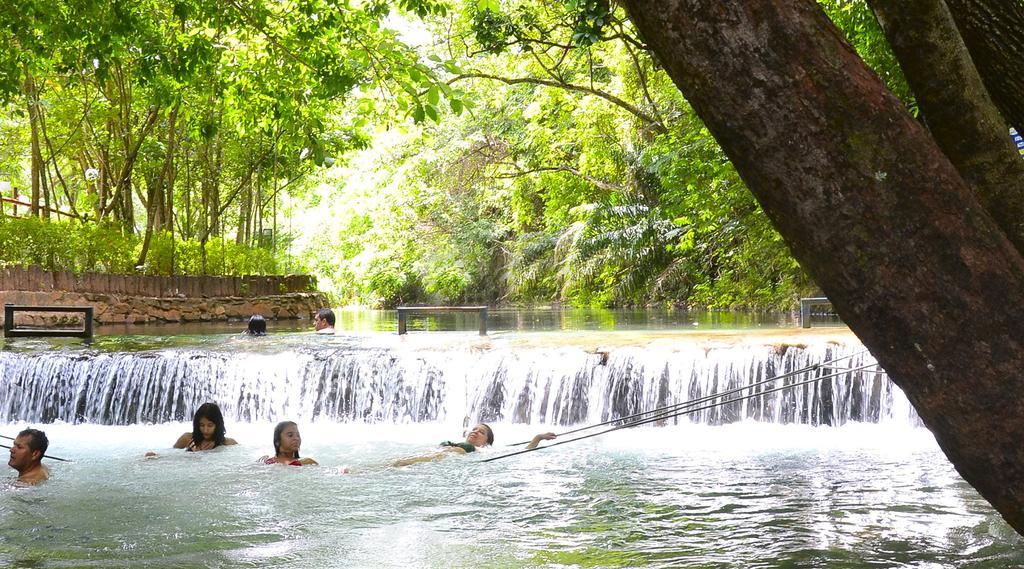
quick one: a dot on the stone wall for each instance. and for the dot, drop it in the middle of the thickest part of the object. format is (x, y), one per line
(126, 309)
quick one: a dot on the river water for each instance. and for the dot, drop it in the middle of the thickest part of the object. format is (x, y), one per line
(836, 474)
(743, 495)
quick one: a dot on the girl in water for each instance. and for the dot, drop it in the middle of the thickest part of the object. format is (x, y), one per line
(257, 325)
(478, 437)
(286, 446)
(207, 430)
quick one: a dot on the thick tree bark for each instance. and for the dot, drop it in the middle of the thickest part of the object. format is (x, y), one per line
(994, 33)
(872, 209)
(964, 121)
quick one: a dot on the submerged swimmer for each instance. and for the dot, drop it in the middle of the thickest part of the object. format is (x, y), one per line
(207, 430)
(27, 456)
(286, 446)
(478, 437)
(257, 325)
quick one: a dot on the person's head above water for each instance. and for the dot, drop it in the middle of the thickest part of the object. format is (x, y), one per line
(27, 454)
(287, 440)
(323, 320)
(257, 325)
(208, 425)
(480, 435)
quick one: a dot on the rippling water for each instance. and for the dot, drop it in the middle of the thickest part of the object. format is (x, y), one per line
(745, 495)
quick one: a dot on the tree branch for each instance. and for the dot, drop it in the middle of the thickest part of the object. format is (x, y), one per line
(648, 119)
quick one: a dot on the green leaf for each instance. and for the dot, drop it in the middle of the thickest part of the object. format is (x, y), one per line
(491, 5)
(456, 106)
(431, 111)
(434, 95)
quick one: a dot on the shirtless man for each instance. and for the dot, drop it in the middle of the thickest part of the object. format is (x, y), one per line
(27, 455)
(323, 321)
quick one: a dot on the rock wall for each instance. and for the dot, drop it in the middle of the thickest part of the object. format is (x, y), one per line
(125, 309)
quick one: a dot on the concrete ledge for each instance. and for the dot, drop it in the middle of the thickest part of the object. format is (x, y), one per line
(125, 309)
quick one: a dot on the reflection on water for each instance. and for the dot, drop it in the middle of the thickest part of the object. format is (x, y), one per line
(746, 495)
(502, 319)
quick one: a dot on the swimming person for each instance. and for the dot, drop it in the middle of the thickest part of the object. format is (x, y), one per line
(207, 430)
(323, 321)
(27, 456)
(478, 437)
(286, 446)
(257, 325)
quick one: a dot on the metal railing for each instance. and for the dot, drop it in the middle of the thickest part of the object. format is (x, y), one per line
(12, 331)
(805, 309)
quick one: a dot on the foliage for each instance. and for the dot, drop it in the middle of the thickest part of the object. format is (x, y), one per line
(77, 247)
(581, 177)
(534, 152)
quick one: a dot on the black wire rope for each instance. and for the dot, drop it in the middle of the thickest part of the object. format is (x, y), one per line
(44, 456)
(706, 398)
(684, 412)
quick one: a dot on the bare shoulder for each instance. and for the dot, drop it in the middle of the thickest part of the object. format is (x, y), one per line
(36, 476)
(183, 440)
(230, 441)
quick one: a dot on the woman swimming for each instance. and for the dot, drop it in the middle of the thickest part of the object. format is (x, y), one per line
(257, 325)
(207, 430)
(286, 446)
(478, 437)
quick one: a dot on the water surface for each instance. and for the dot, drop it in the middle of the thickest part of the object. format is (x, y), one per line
(743, 495)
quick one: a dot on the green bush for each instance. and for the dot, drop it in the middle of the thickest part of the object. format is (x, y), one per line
(88, 247)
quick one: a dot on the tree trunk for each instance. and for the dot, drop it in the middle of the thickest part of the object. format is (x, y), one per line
(994, 33)
(244, 212)
(872, 209)
(964, 121)
(155, 204)
(37, 162)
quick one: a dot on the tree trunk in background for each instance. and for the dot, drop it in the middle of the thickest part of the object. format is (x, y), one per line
(244, 212)
(33, 119)
(994, 33)
(964, 121)
(872, 209)
(155, 205)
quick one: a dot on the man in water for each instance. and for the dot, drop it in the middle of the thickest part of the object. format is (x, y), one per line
(27, 456)
(323, 321)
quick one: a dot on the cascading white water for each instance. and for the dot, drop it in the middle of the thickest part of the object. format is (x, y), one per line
(562, 386)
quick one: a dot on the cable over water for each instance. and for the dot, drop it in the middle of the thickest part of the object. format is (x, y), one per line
(693, 406)
(806, 369)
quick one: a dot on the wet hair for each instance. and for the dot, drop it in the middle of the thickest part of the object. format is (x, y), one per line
(257, 325)
(210, 412)
(490, 433)
(277, 437)
(327, 315)
(37, 440)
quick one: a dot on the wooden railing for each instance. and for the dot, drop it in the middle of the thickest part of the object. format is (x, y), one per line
(36, 279)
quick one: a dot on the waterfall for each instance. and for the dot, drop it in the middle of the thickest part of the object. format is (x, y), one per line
(560, 386)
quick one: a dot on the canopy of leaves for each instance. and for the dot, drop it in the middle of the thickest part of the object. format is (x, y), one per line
(530, 151)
